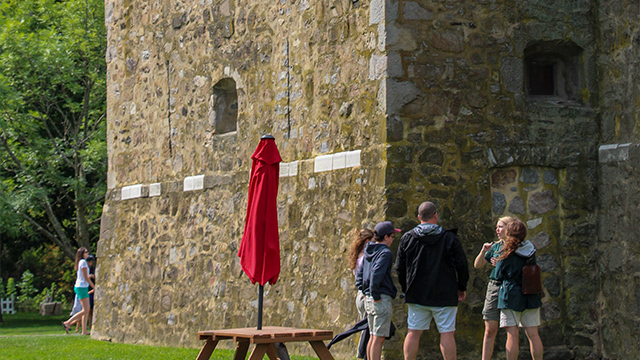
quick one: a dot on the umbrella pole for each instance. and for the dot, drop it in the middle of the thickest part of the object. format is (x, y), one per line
(260, 296)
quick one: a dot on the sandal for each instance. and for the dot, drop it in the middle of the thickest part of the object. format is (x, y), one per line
(66, 329)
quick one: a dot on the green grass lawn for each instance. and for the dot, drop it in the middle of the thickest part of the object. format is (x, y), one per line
(32, 336)
(82, 347)
(31, 324)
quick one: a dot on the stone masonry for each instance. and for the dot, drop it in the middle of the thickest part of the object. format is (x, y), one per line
(487, 108)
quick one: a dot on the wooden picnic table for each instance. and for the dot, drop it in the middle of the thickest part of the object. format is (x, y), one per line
(264, 340)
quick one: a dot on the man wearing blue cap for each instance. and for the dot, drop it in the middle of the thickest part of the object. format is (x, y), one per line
(374, 280)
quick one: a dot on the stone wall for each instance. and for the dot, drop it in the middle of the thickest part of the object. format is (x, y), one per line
(618, 250)
(178, 177)
(487, 108)
(472, 139)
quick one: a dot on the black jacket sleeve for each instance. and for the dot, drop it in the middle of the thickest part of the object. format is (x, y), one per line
(401, 264)
(459, 259)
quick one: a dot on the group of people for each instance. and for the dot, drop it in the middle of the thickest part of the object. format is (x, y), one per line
(83, 288)
(433, 273)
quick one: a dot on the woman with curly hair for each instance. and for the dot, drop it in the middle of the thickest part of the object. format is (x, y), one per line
(516, 308)
(490, 313)
(356, 257)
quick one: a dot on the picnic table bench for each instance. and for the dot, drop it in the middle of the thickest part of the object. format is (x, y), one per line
(264, 340)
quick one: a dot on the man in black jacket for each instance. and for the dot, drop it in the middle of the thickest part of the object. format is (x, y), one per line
(433, 273)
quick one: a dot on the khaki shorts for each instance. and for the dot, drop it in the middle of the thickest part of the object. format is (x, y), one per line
(360, 305)
(378, 315)
(527, 318)
(490, 312)
(419, 317)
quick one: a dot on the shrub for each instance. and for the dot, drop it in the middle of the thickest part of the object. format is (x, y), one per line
(26, 301)
(11, 287)
(50, 295)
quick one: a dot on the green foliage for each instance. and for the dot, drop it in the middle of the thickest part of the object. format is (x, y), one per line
(52, 128)
(27, 291)
(11, 286)
(51, 267)
(52, 294)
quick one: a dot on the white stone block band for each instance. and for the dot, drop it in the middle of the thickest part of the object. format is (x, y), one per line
(337, 161)
(613, 152)
(131, 192)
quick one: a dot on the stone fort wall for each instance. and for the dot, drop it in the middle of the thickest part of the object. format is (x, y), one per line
(179, 173)
(487, 108)
(618, 314)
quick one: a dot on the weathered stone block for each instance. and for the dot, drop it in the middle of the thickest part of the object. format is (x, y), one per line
(499, 203)
(550, 311)
(432, 156)
(550, 177)
(502, 177)
(541, 240)
(51, 308)
(547, 262)
(529, 176)
(447, 41)
(517, 206)
(155, 189)
(323, 163)
(552, 285)
(613, 152)
(413, 11)
(542, 202)
(397, 94)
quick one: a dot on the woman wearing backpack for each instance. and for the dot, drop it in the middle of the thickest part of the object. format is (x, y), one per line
(516, 308)
(490, 312)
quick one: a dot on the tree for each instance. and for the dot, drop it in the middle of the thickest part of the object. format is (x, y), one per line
(7, 219)
(52, 117)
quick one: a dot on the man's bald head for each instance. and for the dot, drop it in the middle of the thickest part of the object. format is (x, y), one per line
(427, 211)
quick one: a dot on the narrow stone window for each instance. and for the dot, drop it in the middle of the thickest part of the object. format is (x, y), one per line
(224, 103)
(553, 71)
(542, 78)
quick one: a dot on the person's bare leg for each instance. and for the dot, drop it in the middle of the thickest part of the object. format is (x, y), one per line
(77, 317)
(448, 345)
(535, 344)
(85, 312)
(411, 344)
(376, 347)
(512, 343)
(490, 332)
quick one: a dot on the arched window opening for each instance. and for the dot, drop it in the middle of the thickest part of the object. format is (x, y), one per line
(225, 106)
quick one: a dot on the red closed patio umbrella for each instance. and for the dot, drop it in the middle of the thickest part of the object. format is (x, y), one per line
(260, 246)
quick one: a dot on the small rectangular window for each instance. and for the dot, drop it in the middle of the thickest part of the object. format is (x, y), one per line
(541, 79)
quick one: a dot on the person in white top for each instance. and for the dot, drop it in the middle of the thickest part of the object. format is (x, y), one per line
(81, 289)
